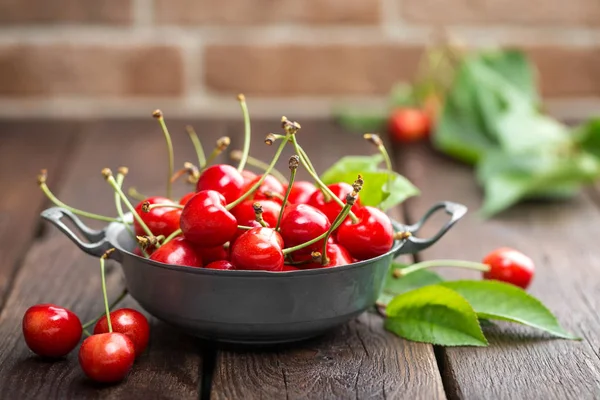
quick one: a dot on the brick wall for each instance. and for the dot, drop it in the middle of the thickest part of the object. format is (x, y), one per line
(296, 57)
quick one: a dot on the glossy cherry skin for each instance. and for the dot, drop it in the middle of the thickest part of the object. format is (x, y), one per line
(178, 251)
(248, 176)
(510, 266)
(371, 236)
(301, 192)
(211, 254)
(258, 249)
(206, 222)
(244, 212)
(223, 179)
(186, 198)
(223, 265)
(331, 208)
(107, 357)
(290, 268)
(337, 255)
(302, 223)
(130, 323)
(240, 232)
(160, 220)
(270, 184)
(50, 330)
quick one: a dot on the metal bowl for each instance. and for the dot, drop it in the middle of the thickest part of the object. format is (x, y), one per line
(255, 307)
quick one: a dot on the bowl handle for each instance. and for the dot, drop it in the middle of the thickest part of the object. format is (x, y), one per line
(98, 242)
(414, 244)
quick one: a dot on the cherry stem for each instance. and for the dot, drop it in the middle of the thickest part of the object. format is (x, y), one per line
(132, 192)
(57, 202)
(190, 169)
(120, 178)
(376, 140)
(327, 193)
(247, 132)
(146, 207)
(106, 307)
(161, 120)
(255, 162)
(263, 177)
(172, 236)
(86, 333)
(269, 194)
(258, 212)
(112, 305)
(293, 166)
(222, 144)
(197, 146)
(107, 173)
(400, 272)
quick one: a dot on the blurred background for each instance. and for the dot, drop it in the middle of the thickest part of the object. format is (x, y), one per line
(84, 58)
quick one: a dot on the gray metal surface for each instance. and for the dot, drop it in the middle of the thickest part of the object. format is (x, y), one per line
(250, 306)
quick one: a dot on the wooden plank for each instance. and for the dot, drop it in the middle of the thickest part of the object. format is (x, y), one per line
(359, 360)
(25, 148)
(561, 238)
(56, 271)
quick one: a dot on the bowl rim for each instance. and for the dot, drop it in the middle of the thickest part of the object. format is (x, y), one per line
(114, 229)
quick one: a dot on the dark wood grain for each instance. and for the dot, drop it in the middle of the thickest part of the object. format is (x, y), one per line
(359, 360)
(25, 148)
(562, 240)
(56, 271)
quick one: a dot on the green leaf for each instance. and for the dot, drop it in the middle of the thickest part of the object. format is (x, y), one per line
(434, 314)
(587, 136)
(395, 286)
(381, 188)
(358, 120)
(505, 302)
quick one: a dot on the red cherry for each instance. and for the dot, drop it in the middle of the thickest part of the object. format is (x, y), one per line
(290, 268)
(331, 208)
(186, 198)
(160, 220)
(258, 249)
(178, 251)
(223, 264)
(371, 236)
(50, 330)
(223, 179)
(206, 222)
(409, 124)
(248, 176)
(337, 255)
(301, 192)
(211, 254)
(130, 323)
(270, 184)
(240, 232)
(510, 266)
(107, 357)
(244, 212)
(302, 223)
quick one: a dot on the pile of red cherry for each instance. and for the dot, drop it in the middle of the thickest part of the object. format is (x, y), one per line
(234, 220)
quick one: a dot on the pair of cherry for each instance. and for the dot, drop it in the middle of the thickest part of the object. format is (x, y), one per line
(53, 332)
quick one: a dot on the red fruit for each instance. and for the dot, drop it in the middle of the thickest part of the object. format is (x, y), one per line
(301, 192)
(138, 252)
(290, 268)
(130, 323)
(510, 266)
(248, 176)
(206, 222)
(186, 198)
(223, 264)
(302, 223)
(240, 232)
(178, 251)
(244, 212)
(211, 254)
(270, 184)
(337, 255)
(107, 357)
(223, 179)
(160, 220)
(50, 330)
(258, 249)
(371, 236)
(331, 208)
(409, 124)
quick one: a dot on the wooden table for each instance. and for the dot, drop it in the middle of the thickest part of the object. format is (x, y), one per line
(359, 360)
